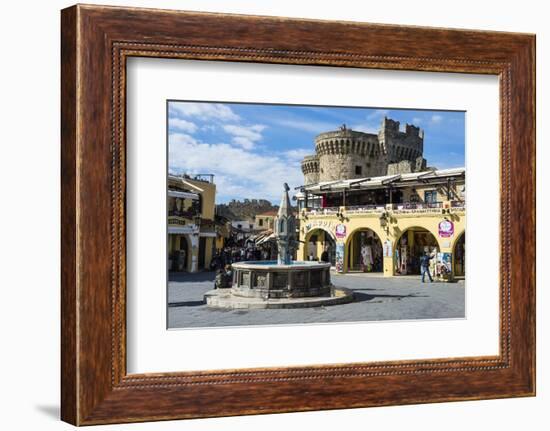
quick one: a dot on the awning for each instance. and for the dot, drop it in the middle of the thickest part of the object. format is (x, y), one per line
(207, 234)
(182, 195)
(382, 181)
(183, 230)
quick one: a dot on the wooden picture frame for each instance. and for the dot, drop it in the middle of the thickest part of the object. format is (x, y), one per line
(95, 43)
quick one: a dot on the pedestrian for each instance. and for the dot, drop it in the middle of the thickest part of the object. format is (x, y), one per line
(425, 266)
(224, 278)
(366, 258)
(324, 255)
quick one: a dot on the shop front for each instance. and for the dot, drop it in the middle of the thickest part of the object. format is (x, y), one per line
(460, 256)
(414, 243)
(364, 251)
(318, 240)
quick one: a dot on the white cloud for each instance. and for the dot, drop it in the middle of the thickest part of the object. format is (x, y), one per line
(416, 121)
(182, 125)
(245, 143)
(181, 139)
(298, 154)
(378, 114)
(238, 173)
(307, 126)
(245, 136)
(436, 119)
(203, 111)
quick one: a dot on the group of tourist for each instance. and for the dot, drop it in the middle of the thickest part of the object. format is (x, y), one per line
(222, 260)
(234, 254)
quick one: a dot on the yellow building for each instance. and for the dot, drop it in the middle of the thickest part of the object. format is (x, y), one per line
(191, 222)
(385, 224)
(264, 220)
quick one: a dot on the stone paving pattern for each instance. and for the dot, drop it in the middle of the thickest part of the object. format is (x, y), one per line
(377, 298)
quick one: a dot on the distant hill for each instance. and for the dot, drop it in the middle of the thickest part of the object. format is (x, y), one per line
(245, 210)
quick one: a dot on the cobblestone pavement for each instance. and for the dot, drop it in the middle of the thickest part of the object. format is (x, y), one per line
(376, 298)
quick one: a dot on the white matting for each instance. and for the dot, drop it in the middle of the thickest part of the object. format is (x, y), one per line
(152, 348)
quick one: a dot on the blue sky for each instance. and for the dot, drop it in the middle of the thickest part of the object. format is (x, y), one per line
(252, 149)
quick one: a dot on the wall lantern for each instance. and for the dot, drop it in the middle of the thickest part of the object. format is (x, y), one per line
(384, 221)
(197, 220)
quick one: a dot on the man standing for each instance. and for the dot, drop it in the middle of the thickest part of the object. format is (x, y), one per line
(425, 266)
(324, 255)
(366, 258)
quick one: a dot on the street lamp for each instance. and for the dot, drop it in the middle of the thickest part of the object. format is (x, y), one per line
(197, 220)
(384, 221)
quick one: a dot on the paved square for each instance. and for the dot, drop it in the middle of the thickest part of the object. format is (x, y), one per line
(376, 298)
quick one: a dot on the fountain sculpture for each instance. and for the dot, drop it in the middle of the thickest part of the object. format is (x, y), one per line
(282, 284)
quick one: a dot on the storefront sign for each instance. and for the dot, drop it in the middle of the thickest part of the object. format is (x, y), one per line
(340, 231)
(443, 266)
(387, 248)
(323, 224)
(339, 257)
(446, 229)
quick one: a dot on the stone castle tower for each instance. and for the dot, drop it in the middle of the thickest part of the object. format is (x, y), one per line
(348, 154)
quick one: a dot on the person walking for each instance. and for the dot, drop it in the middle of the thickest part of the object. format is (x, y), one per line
(324, 255)
(425, 266)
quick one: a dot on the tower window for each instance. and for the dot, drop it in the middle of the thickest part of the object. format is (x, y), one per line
(358, 170)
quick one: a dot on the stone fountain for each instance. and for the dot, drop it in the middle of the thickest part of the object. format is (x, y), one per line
(282, 284)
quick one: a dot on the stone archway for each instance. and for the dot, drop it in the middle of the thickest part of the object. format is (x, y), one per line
(409, 248)
(459, 256)
(181, 254)
(364, 251)
(315, 241)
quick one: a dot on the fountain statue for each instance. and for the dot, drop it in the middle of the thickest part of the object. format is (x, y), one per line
(285, 230)
(281, 284)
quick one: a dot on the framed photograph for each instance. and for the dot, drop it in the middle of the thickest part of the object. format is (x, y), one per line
(263, 214)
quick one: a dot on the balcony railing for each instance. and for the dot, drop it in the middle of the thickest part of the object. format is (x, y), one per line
(458, 204)
(420, 207)
(184, 214)
(417, 205)
(355, 209)
(323, 211)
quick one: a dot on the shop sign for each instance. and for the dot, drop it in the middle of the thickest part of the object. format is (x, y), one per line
(446, 229)
(320, 224)
(339, 257)
(443, 265)
(387, 248)
(340, 231)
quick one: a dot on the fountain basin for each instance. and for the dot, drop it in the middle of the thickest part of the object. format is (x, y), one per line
(266, 284)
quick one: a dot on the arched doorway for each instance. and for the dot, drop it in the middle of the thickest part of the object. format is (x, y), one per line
(364, 251)
(316, 241)
(459, 254)
(410, 247)
(180, 254)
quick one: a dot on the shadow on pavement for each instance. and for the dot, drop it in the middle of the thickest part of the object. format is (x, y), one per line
(361, 297)
(187, 303)
(192, 277)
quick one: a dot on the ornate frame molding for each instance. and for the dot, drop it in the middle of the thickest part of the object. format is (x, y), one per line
(96, 41)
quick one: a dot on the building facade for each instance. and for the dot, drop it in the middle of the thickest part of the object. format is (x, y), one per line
(264, 221)
(376, 207)
(192, 229)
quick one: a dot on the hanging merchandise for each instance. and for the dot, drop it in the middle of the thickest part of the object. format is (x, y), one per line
(443, 266)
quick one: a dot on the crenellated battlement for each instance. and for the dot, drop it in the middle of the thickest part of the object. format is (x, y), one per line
(310, 169)
(347, 142)
(401, 145)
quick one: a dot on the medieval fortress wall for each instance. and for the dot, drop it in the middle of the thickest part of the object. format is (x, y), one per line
(348, 154)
